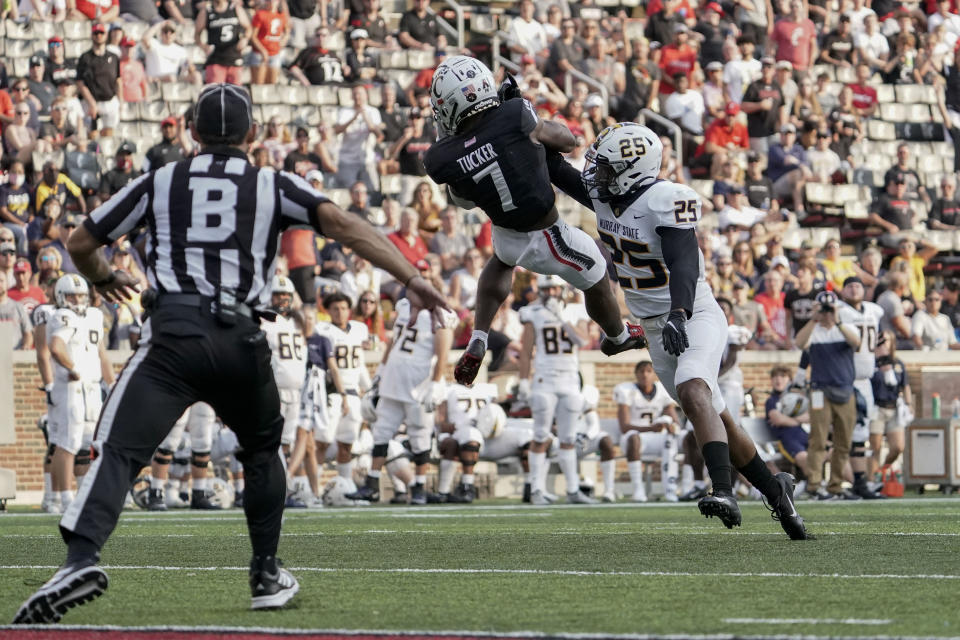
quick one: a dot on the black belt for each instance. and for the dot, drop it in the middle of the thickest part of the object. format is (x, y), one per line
(887, 405)
(198, 301)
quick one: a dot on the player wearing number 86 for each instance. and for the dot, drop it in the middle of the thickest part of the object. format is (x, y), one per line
(650, 227)
(491, 154)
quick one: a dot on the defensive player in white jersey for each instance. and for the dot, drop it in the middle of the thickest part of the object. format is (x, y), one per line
(77, 347)
(865, 316)
(39, 316)
(455, 416)
(650, 228)
(648, 420)
(551, 336)
(346, 337)
(410, 387)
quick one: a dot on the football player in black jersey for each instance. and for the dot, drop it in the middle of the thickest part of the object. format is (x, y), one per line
(492, 154)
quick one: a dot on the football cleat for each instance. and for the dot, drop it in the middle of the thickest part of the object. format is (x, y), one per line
(155, 500)
(635, 340)
(723, 506)
(579, 497)
(369, 491)
(200, 499)
(864, 491)
(418, 495)
(526, 493)
(71, 586)
(693, 494)
(784, 511)
(822, 495)
(238, 500)
(399, 498)
(469, 363)
(537, 498)
(51, 504)
(438, 498)
(271, 586)
(608, 497)
(464, 494)
(846, 494)
(639, 497)
(294, 502)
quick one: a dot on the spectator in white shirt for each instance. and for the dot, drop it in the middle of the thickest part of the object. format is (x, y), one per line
(166, 60)
(738, 213)
(873, 46)
(358, 127)
(527, 36)
(824, 161)
(932, 330)
(945, 17)
(685, 107)
(741, 68)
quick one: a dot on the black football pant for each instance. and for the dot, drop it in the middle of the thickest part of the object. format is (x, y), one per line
(186, 356)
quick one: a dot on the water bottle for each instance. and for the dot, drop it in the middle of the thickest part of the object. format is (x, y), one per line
(955, 408)
(935, 406)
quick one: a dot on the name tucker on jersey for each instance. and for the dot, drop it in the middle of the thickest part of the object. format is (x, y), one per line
(476, 158)
(618, 229)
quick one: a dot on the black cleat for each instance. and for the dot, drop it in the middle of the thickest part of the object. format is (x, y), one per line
(271, 586)
(469, 363)
(200, 499)
(155, 500)
(399, 498)
(723, 506)
(464, 494)
(526, 493)
(636, 340)
(370, 491)
(71, 586)
(784, 511)
(238, 500)
(438, 498)
(418, 495)
(694, 494)
(866, 493)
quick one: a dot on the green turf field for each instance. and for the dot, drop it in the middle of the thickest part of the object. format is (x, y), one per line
(876, 569)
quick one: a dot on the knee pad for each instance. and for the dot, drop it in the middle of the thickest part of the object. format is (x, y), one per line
(166, 453)
(380, 450)
(195, 459)
(857, 450)
(421, 458)
(470, 446)
(82, 457)
(160, 459)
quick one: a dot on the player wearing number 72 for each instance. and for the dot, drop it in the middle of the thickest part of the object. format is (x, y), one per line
(491, 153)
(650, 228)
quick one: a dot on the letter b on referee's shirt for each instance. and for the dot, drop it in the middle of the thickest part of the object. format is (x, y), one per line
(213, 216)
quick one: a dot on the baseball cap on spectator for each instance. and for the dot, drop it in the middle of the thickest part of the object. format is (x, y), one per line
(7, 246)
(680, 28)
(952, 285)
(779, 261)
(22, 266)
(314, 175)
(714, 6)
(126, 147)
(852, 280)
(98, 27)
(169, 122)
(732, 108)
(753, 156)
(115, 26)
(527, 59)
(767, 61)
(359, 33)
(69, 220)
(715, 65)
(807, 244)
(124, 247)
(223, 110)
(785, 64)
(55, 40)
(37, 61)
(128, 42)
(593, 100)
(788, 128)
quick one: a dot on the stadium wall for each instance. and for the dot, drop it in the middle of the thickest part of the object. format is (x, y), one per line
(24, 455)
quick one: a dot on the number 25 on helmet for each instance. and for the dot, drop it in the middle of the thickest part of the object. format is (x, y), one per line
(625, 157)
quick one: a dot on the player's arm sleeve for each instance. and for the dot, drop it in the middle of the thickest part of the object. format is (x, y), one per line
(681, 253)
(567, 179)
(121, 213)
(298, 200)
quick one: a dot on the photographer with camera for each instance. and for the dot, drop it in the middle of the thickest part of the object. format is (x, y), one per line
(830, 346)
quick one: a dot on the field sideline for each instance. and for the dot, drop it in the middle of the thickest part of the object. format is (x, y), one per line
(878, 569)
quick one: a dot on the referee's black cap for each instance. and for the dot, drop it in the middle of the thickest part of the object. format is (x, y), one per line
(223, 111)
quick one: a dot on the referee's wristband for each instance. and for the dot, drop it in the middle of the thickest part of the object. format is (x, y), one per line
(108, 280)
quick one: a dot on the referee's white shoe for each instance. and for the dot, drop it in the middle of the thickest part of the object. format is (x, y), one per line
(71, 586)
(271, 586)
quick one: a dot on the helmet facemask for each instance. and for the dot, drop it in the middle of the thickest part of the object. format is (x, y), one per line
(281, 302)
(600, 177)
(76, 302)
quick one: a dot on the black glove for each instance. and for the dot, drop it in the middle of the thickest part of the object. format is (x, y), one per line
(508, 88)
(674, 333)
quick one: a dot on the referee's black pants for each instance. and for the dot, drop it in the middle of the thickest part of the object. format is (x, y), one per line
(186, 356)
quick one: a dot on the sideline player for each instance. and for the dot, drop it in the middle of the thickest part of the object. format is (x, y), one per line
(493, 157)
(591, 438)
(214, 223)
(650, 228)
(411, 385)
(346, 337)
(39, 317)
(865, 316)
(455, 416)
(197, 425)
(647, 417)
(556, 332)
(79, 353)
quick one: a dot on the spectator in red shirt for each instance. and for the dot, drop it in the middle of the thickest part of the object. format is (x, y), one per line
(102, 11)
(864, 96)
(28, 295)
(6, 109)
(771, 299)
(678, 57)
(724, 136)
(795, 37)
(407, 239)
(271, 31)
(484, 240)
(133, 77)
(298, 246)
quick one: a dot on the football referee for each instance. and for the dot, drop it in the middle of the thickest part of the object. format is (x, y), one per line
(214, 223)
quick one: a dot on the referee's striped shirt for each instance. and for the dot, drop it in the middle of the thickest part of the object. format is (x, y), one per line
(213, 221)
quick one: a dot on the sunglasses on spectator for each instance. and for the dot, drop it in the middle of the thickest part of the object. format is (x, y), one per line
(8, 252)
(21, 89)
(46, 259)
(23, 113)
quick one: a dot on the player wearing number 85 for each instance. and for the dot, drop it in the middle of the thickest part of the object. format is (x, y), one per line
(650, 227)
(491, 154)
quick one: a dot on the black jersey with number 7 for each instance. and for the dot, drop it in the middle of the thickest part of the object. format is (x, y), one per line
(497, 166)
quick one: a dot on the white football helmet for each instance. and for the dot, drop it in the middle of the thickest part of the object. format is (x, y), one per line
(491, 419)
(625, 156)
(794, 403)
(545, 282)
(72, 285)
(335, 494)
(282, 286)
(462, 86)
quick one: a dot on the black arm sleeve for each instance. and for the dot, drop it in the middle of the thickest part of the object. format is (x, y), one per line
(681, 253)
(567, 179)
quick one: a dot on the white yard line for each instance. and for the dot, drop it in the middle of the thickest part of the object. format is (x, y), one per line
(856, 621)
(541, 572)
